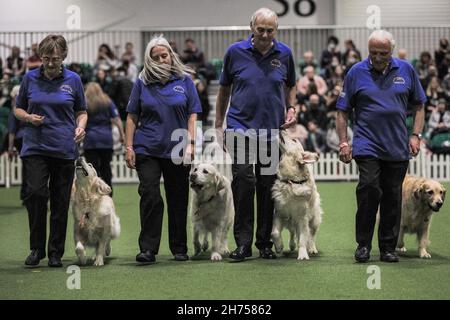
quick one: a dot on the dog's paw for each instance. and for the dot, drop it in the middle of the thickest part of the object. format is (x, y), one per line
(278, 249)
(401, 249)
(215, 256)
(98, 261)
(313, 250)
(197, 249)
(225, 250)
(108, 250)
(424, 254)
(82, 260)
(205, 245)
(302, 254)
(292, 246)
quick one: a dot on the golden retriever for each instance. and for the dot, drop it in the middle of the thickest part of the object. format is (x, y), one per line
(420, 199)
(212, 209)
(297, 202)
(95, 220)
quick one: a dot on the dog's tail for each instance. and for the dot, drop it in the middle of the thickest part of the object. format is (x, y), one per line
(115, 230)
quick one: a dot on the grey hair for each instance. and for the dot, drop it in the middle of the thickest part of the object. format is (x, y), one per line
(265, 13)
(153, 71)
(382, 35)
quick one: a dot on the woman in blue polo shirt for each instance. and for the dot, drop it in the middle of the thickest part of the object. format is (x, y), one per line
(98, 145)
(163, 100)
(51, 102)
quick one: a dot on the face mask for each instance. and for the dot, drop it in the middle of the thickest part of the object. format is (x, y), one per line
(351, 60)
(331, 46)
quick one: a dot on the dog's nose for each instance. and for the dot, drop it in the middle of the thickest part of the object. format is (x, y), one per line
(439, 204)
(193, 176)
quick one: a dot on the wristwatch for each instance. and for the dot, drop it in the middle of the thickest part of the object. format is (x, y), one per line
(418, 135)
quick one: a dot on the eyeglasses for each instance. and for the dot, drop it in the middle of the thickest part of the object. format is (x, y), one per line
(262, 30)
(53, 59)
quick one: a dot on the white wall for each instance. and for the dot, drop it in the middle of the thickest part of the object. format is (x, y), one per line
(49, 15)
(394, 12)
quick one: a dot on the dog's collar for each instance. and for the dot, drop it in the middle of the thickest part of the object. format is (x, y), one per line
(196, 212)
(290, 181)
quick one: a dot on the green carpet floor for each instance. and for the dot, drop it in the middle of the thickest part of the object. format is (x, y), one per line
(330, 275)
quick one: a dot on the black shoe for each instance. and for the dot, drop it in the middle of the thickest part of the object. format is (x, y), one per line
(54, 262)
(34, 257)
(241, 253)
(388, 256)
(181, 257)
(267, 253)
(146, 257)
(362, 254)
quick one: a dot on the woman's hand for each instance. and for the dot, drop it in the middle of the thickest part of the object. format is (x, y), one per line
(130, 157)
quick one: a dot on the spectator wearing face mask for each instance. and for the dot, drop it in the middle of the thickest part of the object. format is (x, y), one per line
(331, 51)
(351, 54)
(439, 54)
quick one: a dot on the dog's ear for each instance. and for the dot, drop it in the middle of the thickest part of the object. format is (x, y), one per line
(309, 157)
(218, 182)
(418, 190)
(101, 187)
(444, 191)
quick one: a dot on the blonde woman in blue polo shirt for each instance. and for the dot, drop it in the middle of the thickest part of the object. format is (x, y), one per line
(51, 102)
(164, 99)
(378, 92)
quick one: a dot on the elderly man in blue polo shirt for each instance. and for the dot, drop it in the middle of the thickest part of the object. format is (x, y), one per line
(259, 76)
(377, 92)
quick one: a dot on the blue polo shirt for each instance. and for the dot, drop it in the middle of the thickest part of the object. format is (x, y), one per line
(161, 109)
(378, 103)
(99, 130)
(58, 100)
(15, 126)
(258, 97)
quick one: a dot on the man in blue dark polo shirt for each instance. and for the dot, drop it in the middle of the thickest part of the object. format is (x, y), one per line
(377, 92)
(259, 75)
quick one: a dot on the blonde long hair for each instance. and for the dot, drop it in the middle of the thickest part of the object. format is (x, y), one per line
(96, 99)
(153, 71)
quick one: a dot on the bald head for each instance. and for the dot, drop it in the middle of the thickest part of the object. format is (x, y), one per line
(382, 36)
(381, 46)
(264, 13)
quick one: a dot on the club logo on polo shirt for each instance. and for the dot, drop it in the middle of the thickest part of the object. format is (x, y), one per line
(179, 89)
(399, 80)
(66, 88)
(275, 63)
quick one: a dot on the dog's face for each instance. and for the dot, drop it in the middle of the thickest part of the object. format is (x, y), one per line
(432, 193)
(203, 177)
(86, 177)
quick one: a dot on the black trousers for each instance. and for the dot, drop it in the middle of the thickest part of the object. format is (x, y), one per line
(255, 174)
(380, 185)
(18, 145)
(101, 160)
(46, 178)
(176, 185)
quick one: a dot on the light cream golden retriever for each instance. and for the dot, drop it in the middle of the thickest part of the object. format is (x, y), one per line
(297, 202)
(420, 199)
(95, 219)
(212, 209)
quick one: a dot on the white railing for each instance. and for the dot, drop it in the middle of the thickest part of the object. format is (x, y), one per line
(328, 168)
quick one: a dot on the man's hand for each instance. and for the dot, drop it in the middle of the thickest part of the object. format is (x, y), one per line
(290, 120)
(414, 145)
(79, 134)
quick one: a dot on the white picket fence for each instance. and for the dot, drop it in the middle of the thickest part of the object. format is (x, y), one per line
(328, 168)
